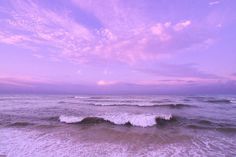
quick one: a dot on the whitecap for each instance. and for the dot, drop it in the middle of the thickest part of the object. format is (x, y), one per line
(140, 120)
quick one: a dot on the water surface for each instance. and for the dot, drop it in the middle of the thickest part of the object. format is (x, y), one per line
(74, 125)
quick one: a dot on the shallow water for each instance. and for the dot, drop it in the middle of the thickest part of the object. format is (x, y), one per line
(69, 125)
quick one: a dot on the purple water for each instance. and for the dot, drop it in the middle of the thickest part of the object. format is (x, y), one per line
(69, 125)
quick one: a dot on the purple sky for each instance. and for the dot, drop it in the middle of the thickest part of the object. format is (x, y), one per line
(126, 46)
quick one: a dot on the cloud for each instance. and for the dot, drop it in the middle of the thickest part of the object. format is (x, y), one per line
(214, 2)
(38, 56)
(124, 33)
(24, 81)
(233, 76)
(226, 87)
(105, 83)
(165, 30)
(175, 71)
(159, 30)
(182, 25)
(78, 72)
(9, 38)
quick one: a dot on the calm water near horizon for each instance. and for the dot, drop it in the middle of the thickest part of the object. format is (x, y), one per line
(97, 125)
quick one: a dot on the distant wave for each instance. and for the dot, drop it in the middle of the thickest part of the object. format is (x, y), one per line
(53, 118)
(161, 101)
(174, 106)
(78, 97)
(212, 99)
(21, 124)
(90, 97)
(6, 99)
(209, 125)
(218, 128)
(120, 119)
(219, 101)
(62, 102)
(186, 100)
(112, 101)
(81, 97)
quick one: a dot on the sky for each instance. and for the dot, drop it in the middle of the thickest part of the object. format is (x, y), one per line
(118, 46)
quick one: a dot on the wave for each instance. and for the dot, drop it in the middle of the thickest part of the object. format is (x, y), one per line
(225, 101)
(20, 124)
(174, 106)
(52, 118)
(210, 125)
(228, 129)
(161, 101)
(62, 102)
(112, 101)
(78, 97)
(140, 120)
(211, 99)
(2, 99)
(94, 97)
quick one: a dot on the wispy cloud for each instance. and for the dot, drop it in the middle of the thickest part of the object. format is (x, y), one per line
(214, 2)
(38, 56)
(9, 38)
(179, 71)
(160, 30)
(121, 28)
(24, 81)
(106, 83)
(182, 25)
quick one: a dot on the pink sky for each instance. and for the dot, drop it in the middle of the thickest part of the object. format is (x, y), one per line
(115, 44)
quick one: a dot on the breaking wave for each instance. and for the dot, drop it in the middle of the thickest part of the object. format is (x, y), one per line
(120, 119)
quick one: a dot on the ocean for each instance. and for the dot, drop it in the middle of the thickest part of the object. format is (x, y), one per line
(117, 126)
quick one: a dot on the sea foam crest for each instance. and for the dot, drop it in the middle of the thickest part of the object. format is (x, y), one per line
(140, 120)
(70, 119)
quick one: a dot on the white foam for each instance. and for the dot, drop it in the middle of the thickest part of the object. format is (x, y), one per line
(140, 120)
(136, 104)
(136, 120)
(57, 143)
(19, 143)
(80, 97)
(70, 119)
